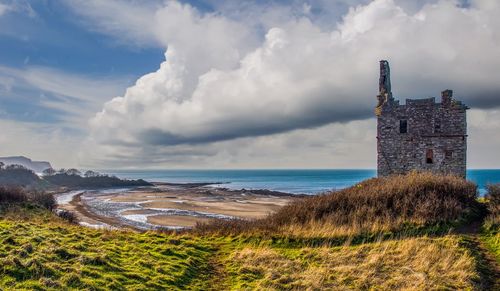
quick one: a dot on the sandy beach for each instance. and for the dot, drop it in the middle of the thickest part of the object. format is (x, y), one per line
(169, 205)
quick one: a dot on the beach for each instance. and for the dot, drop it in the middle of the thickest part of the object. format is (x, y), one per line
(171, 206)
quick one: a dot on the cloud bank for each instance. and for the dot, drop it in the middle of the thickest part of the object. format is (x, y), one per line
(302, 76)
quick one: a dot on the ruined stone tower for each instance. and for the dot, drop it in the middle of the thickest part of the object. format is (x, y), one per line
(421, 134)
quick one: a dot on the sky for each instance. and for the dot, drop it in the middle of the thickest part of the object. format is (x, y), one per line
(235, 84)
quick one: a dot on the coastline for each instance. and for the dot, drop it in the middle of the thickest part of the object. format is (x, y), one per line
(169, 205)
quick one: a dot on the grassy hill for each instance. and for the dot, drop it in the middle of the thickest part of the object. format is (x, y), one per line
(417, 233)
(19, 176)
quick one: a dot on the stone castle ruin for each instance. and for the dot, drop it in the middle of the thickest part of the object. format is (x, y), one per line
(420, 135)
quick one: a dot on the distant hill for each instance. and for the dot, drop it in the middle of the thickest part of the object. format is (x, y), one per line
(15, 175)
(35, 166)
(76, 182)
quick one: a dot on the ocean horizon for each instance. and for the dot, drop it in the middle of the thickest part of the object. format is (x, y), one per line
(296, 181)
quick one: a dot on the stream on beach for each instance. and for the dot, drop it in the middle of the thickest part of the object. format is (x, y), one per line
(134, 214)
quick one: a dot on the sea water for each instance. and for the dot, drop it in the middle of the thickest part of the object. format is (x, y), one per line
(289, 180)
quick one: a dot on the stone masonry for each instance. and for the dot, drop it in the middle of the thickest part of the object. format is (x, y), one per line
(420, 135)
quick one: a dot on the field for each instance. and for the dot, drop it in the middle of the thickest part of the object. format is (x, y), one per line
(407, 251)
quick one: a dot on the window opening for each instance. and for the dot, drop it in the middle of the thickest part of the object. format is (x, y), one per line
(403, 126)
(429, 157)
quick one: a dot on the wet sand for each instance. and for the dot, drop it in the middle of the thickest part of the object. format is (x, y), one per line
(171, 206)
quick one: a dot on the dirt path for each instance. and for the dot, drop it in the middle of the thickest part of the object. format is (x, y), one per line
(488, 266)
(218, 275)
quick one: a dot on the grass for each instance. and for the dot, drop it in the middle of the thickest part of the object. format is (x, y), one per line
(369, 236)
(378, 205)
(40, 251)
(411, 264)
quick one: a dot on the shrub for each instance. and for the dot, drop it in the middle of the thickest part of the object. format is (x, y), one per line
(378, 204)
(67, 215)
(17, 195)
(43, 199)
(493, 198)
(9, 195)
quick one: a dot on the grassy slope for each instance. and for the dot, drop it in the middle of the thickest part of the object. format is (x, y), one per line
(316, 244)
(39, 251)
(412, 263)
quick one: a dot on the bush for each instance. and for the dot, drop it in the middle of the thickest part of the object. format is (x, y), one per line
(493, 198)
(67, 215)
(378, 204)
(9, 195)
(43, 199)
(17, 195)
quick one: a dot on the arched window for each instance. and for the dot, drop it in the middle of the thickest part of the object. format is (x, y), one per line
(429, 157)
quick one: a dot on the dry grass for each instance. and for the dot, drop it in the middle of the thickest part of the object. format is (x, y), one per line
(491, 228)
(379, 204)
(409, 264)
(493, 198)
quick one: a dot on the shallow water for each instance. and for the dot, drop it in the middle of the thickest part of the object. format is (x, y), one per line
(100, 204)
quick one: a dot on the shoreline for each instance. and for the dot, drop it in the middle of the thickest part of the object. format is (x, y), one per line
(169, 205)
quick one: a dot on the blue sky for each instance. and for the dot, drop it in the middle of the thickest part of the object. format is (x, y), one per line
(234, 84)
(48, 34)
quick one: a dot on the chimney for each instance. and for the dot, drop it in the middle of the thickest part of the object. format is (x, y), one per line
(384, 83)
(446, 97)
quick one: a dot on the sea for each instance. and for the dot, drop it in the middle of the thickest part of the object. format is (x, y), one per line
(296, 181)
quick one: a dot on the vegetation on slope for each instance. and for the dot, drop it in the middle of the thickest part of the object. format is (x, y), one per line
(491, 233)
(41, 251)
(410, 264)
(19, 176)
(76, 181)
(395, 203)
(15, 195)
(15, 175)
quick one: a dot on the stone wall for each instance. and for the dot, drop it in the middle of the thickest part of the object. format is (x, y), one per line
(435, 138)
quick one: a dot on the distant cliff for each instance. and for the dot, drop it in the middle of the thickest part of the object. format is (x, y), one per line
(35, 166)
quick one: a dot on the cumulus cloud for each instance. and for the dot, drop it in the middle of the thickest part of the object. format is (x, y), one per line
(302, 76)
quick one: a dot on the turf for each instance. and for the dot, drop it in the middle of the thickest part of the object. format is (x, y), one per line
(40, 252)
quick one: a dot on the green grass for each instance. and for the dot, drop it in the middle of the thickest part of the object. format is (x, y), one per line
(491, 238)
(345, 240)
(39, 252)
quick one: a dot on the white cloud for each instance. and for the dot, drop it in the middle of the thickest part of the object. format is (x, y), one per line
(39, 142)
(19, 6)
(302, 76)
(3, 8)
(349, 145)
(78, 96)
(228, 97)
(483, 140)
